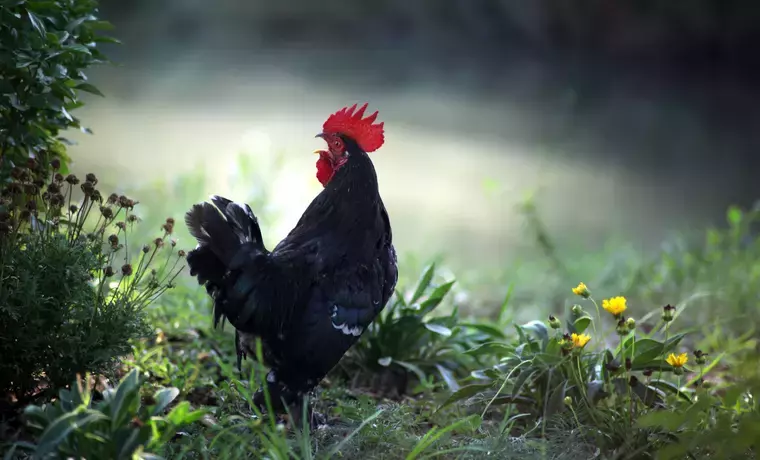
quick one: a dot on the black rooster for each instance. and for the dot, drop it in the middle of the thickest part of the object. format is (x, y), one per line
(311, 298)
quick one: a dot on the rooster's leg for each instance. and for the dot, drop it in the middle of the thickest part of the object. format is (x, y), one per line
(314, 418)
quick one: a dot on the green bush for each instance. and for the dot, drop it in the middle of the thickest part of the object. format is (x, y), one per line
(407, 344)
(45, 47)
(72, 293)
(118, 426)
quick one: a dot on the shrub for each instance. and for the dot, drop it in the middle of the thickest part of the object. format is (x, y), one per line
(118, 426)
(406, 343)
(72, 293)
(45, 47)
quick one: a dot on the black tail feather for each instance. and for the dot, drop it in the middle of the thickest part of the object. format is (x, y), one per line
(223, 230)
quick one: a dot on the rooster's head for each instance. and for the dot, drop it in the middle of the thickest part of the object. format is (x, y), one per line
(346, 131)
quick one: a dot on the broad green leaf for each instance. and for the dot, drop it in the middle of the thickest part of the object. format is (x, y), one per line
(163, 398)
(539, 329)
(581, 324)
(62, 427)
(438, 329)
(488, 329)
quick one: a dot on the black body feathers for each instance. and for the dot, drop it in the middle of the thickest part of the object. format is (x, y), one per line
(315, 293)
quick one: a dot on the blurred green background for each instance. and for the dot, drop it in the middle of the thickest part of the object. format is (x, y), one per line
(626, 121)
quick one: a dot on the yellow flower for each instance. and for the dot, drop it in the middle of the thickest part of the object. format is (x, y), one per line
(581, 290)
(580, 341)
(615, 305)
(677, 361)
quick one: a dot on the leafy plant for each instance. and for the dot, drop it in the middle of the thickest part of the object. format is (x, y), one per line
(118, 426)
(551, 377)
(407, 341)
(72, 293)
(45, 48)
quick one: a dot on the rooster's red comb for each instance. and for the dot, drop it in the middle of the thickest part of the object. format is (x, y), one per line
(369, 136)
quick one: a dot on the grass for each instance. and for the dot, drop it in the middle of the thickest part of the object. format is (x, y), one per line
(437, 376)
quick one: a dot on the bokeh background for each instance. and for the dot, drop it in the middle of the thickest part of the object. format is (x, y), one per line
(625, 121)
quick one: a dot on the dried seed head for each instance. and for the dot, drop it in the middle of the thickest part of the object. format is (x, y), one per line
(55, 164)
(170, 220)
(146, 249)
(72, 179)
(73, 208)
(32, 164)
(647, 373)
(181, 253)
(31, 189)
(90, 177)
(132, 218)
(114, 240)
(168, 228)
(53, 187)
(106, 211)
(58, 178)
(121, 225)
(108, 271)
(173, 242)
(126, 269)
(56, 199)
(96, 196)
(159, 242)
(88, 187)
(123, 201)
(113, 198)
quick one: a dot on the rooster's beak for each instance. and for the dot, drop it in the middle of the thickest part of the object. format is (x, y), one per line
(322, 135)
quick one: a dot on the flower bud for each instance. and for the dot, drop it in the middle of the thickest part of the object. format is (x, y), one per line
(622, 327)
(568, 401)
(630, 323)
(678, 370)
(577, 310)
(554, 323)
(668, 312)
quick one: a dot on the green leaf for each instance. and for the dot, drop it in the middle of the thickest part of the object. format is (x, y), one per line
(438, 329)
(37, 24)
(423, 284)
(665, 419)
(413, 368)
(556, 402)
(61, 428)
(581, 324)
(466, 392)
(448, 377)
(539, 329)
(89, 88)
(163, 398)
(505, 303)
(670, 388)
(489, 330)
(436, 297)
